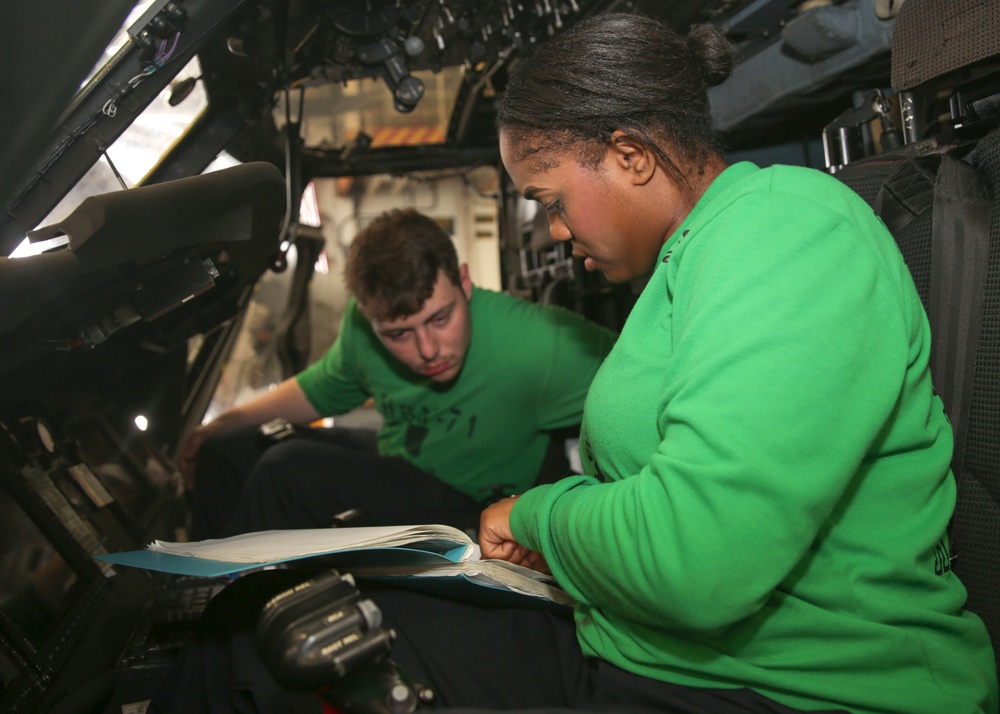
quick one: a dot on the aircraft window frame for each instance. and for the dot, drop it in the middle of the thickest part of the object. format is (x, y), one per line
(133, 154)
(147, 139)
(335, 113)
(119, 40)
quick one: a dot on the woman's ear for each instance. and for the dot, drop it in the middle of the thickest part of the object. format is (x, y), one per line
(631, 154)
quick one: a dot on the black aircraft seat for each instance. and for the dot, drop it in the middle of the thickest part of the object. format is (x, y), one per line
(940, 197)
(131, 317)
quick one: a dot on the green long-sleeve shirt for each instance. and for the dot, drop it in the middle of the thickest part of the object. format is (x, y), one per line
(769, 484)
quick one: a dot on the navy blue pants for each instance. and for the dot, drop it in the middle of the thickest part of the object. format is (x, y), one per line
(308, 479)
(474, 658)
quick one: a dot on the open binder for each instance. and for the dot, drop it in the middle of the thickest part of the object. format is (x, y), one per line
(433, 558)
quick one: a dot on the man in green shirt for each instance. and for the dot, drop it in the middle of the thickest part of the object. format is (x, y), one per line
(464, 408)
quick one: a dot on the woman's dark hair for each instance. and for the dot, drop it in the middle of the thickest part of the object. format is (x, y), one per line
(394, 262)
(617, 71)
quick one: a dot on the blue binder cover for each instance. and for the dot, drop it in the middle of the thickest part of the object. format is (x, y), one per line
(204, 567)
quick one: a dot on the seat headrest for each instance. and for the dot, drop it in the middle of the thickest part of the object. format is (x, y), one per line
(933, 38)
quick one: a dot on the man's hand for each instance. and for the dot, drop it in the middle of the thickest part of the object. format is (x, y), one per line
(187, 455)
(287, 400)
(497, 541)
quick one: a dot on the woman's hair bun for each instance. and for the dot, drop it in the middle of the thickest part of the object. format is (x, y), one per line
(713, 52)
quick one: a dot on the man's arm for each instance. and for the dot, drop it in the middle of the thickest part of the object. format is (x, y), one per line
(287, 400)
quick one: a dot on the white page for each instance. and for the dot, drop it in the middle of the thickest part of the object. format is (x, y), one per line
(493, 573)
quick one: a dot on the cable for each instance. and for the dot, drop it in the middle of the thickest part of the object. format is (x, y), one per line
(163, 56)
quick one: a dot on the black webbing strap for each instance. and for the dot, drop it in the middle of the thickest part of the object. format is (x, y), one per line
(959, 253)
(960, 233)
(906, 194)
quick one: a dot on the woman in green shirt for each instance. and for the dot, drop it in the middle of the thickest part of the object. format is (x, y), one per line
(768, 486)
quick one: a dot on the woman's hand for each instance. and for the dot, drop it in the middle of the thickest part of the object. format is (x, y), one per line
(497, 541)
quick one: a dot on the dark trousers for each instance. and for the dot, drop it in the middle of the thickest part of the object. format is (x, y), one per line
(308, 479)
(474, 658)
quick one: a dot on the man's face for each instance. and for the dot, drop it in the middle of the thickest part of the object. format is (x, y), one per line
(434, 341)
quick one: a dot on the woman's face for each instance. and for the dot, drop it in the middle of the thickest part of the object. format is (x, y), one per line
(608, 213)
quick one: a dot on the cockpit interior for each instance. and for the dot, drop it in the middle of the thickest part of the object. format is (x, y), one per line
(180, 180)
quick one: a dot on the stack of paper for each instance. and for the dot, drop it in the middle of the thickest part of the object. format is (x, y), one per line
(277, 546)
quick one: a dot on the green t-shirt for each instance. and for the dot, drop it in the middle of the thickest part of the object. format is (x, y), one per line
(776, 485)
(527, 370)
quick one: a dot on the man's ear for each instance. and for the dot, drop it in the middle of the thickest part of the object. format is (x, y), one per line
(464, 280)
(634, 156)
